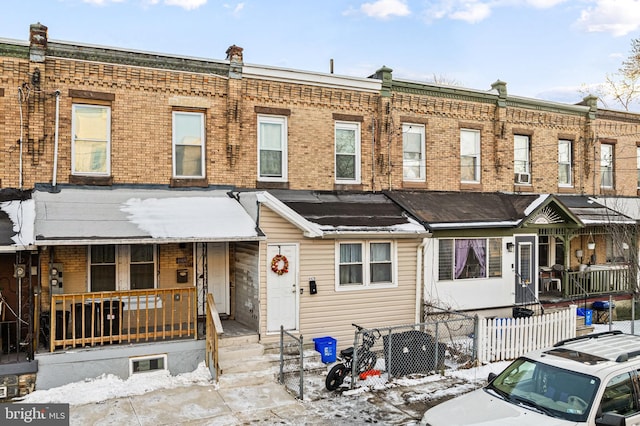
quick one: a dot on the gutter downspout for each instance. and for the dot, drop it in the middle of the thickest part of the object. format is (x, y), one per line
(55, 144)
(419, 257)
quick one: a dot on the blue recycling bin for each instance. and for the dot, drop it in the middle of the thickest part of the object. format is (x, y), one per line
(327, 348)
(587, 314)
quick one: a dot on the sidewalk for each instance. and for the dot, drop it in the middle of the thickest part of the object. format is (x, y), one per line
(196, 405)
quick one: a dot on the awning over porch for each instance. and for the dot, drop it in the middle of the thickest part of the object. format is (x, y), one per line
(79, 216)
(599, 211)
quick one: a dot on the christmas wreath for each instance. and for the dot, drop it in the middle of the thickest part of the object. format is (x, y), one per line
(280, 264)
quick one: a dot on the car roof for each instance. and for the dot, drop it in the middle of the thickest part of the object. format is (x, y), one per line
(593, 354)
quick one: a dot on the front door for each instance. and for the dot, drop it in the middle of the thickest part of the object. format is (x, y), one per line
(214, 262)
(525, 286)
(282, 287)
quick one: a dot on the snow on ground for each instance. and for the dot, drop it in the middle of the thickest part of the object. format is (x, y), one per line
(108, 386)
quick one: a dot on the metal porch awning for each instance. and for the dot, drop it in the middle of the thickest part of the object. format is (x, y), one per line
(79, 216)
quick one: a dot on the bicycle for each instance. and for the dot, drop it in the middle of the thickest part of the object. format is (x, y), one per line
(366, 359)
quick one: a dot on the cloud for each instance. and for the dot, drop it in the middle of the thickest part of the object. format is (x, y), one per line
(186, 4)
(618, 17)
(472, 12)
(383, 9)
(544, 4)
(235, 10)
(102, 2)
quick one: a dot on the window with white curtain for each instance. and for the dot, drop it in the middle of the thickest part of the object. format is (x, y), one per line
(188, 144)
(91, 140)
(366, 263)
(272, 148)
(469, 155)
(413, 152)
(564, 162)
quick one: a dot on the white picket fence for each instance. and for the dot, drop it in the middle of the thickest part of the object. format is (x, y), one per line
(501, 339)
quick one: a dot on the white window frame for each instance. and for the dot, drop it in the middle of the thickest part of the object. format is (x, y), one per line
(565, 162)
(525, 167)
(134, 359)
(74, 140)
(123, 267)
(475, 134)
(176, 143)
(638, 166)
(282, 121)
(489, 254)
(366, 266)
(410, 128)
(607, 161)
(349, 126)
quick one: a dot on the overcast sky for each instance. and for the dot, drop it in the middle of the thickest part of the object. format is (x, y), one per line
(546, 49)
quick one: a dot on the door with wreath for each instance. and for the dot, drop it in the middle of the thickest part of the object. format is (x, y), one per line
(282, 287)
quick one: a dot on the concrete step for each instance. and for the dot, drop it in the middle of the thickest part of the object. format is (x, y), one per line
(237, 340)
(239, 352)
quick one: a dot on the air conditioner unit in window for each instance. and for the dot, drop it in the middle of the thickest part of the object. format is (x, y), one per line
(523, 178)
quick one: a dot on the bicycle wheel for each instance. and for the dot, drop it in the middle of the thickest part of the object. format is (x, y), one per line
(335, 377)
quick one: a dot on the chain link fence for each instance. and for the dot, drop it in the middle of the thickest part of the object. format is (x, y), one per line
(608, 314)
(292, 363)
(446, 341)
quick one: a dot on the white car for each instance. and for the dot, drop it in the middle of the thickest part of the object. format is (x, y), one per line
(589, 380)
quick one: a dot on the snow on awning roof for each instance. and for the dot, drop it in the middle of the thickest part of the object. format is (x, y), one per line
(121, 216)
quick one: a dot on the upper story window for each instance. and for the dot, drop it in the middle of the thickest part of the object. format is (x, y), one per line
(467, 258)
(91, 140)
(188, 144)
(367, 263)
(469, 155)
(272, 148)
(122, 267)
(564, 162)
(347, 144)
(522, 159)
(413, 152)
(606, 165)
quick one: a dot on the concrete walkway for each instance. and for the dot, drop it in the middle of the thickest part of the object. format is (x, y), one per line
(196, 405)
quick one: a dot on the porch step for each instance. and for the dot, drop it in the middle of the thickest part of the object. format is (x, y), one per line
(238, 340)
(250, 363)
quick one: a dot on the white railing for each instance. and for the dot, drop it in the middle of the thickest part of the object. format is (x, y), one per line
(501, 339)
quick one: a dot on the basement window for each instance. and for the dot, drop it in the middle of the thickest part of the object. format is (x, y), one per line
(146, 364)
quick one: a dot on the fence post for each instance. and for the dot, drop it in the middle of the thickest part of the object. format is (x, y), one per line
(281, 374)
(435, 364)
(477, 340)
(301, 367)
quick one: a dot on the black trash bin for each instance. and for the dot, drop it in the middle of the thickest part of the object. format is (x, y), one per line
(83, 327)
(111, 317)
(520, 312)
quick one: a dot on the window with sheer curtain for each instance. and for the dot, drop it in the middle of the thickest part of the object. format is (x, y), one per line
(91, 139)
(362, 264)
(606, 165)
(469, 258)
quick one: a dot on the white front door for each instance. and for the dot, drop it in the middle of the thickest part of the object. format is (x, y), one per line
(217, 268)
(282, 289)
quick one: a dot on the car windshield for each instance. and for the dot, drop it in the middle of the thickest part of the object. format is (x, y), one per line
(546, 389)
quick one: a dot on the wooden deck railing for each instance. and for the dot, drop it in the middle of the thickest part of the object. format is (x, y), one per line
(214, 329)
(90, 319)
(596, 281)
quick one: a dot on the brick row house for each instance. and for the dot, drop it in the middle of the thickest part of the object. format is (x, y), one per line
(134, 184)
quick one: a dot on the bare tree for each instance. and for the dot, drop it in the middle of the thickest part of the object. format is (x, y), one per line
(443, 80)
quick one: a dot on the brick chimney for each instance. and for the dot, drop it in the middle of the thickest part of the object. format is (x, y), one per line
(234, 56)
(37, 42)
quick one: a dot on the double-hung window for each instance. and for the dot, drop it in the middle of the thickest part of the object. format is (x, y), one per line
(347, 143)
(564, 162)
(413, 152)
(272, 148)
(365, 264)
(91, 140)
(188, 144)
(122, 267)
(470, 155)
(606, 165)
(468, 258)
(522, 159)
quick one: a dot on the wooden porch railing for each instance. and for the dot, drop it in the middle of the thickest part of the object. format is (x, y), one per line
(596, 281)
(90, 319)
(214, 329)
